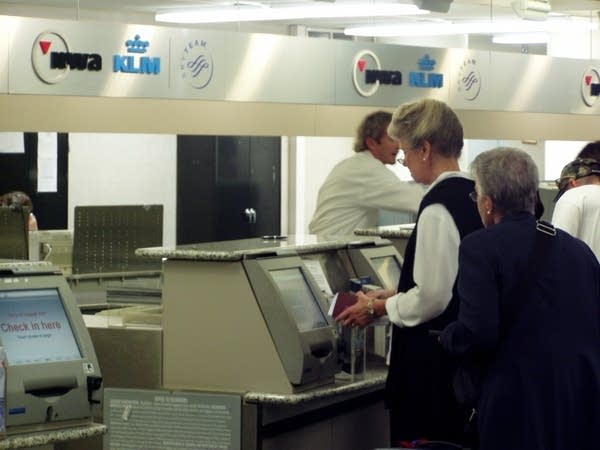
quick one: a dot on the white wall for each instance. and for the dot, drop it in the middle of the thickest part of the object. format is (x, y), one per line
(111, 169)
(124, 169)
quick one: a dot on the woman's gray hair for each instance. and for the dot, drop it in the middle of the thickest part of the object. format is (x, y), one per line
(509, 176)
(428, 120)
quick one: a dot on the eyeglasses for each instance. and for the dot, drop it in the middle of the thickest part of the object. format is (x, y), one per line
(473, 196)
(401, 157)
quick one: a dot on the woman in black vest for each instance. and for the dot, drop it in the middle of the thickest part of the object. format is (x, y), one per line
(419, 390)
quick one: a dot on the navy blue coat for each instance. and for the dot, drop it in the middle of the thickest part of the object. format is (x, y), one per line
(541, 389)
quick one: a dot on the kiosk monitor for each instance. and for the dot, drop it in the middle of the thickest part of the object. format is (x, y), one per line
(52, 371)
(295, 314)
(382, 263)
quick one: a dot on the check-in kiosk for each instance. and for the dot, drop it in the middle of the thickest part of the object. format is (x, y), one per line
(296, 316)
(52, 377)
(250, 317)
(380, 261)
(267, 328)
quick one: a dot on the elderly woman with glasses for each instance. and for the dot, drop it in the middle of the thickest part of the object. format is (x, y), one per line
(529, 314)
(419, 391)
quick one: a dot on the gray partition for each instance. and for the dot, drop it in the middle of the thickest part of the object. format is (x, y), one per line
(13, 233)
(106, 237)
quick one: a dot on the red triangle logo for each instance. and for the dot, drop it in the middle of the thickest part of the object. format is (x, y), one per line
(45, 46)
(362, 64)
(588, 79)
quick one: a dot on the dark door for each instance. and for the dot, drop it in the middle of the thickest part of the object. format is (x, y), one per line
(228, 187)
(20, 173)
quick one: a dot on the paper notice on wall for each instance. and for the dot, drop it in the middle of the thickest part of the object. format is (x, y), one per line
(47, 162)
(316, 270)
(12, 143)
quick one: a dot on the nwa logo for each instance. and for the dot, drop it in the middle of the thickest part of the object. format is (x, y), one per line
(131, 63)
(52, 60)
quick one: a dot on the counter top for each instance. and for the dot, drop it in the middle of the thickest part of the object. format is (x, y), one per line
(239, 249)
(373, 378)
(35, 439)
(402, 231)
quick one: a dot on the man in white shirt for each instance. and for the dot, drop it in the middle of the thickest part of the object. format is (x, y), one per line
(577, 209)
(359, 186)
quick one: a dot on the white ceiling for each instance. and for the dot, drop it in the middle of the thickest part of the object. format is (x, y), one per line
(142, 11)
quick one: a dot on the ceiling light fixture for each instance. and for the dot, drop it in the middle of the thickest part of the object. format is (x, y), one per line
(254, 13)
(569, 25)
(521, 38)
(531, 9)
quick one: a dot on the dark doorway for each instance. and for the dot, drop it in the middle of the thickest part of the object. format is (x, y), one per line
(228, 187)
(20, 173)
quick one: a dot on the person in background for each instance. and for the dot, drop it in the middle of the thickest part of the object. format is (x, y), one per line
(419, 389)
(590, 150)
(357, 187)
(530, 308)
(19, 199)
(577, 209)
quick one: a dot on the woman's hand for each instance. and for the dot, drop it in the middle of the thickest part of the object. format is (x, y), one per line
(358, 314)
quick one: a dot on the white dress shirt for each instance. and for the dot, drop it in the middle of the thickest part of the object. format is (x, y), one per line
(355, 190)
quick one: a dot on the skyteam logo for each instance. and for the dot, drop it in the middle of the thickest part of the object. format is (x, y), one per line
(426, 78)
(52, 61)
(196, 66)
(133, 63)
(469, 79)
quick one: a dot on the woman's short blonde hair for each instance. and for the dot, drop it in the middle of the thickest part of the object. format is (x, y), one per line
(428, 120)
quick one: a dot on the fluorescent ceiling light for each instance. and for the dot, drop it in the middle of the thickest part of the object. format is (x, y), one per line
(521, 38)
(569, 25)
(260, 12)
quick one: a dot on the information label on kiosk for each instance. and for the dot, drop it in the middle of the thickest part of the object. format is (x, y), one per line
(155, 419)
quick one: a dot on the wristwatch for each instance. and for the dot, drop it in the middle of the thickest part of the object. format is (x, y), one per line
(371, 307)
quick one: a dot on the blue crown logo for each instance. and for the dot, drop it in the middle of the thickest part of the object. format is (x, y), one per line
(426, 63)
(136, 45)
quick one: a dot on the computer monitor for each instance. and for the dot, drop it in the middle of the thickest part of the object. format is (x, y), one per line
(299, 299)
(296, 315)
(55, 246)
(382, 263)
(53, 375)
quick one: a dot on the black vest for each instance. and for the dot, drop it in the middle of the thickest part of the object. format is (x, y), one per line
(418, 384)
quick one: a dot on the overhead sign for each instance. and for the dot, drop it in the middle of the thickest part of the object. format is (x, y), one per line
(196, 66)
(469, 79)
(426, 77)
(52, 59)
(131, 63)
(367, 74)
(590, 86)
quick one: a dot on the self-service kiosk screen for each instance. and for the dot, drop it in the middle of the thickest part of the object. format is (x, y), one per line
(388, 269)
(299, 299)
(34, 327)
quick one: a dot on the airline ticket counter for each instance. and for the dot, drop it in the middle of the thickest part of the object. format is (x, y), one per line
(397, 234)
(251, 317)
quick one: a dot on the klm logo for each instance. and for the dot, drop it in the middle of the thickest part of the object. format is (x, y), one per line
(426, 78)
(132, 63)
